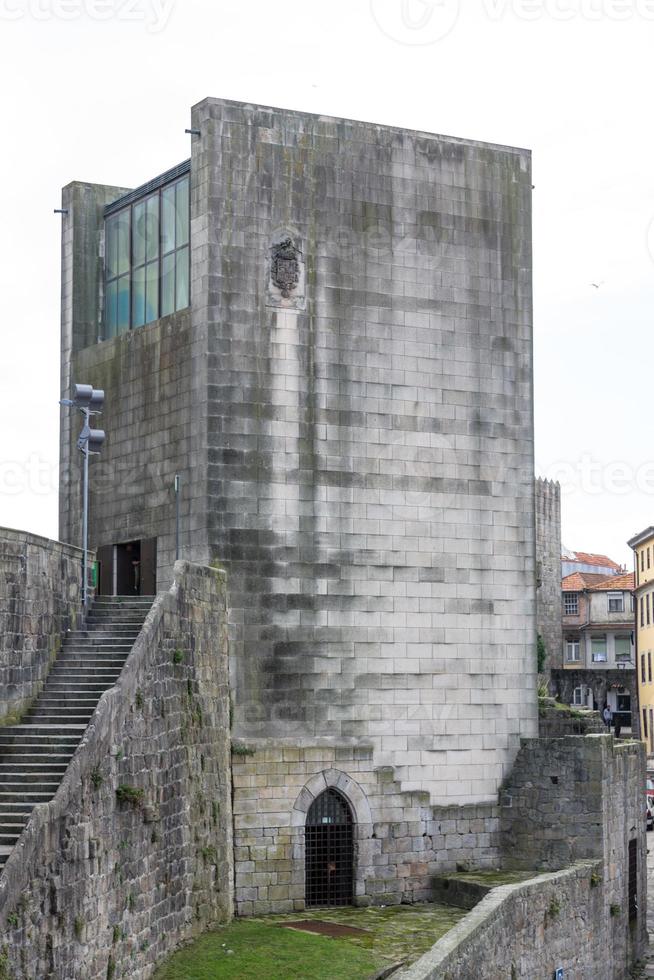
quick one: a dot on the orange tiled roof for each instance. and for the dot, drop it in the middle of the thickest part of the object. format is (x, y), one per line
(579, 581)
(616, 583)
(586, 558)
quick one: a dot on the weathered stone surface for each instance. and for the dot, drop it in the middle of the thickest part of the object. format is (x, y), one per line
(402, 841)
(567, 800)
(134, 853)
(549, 608)
(40, 598)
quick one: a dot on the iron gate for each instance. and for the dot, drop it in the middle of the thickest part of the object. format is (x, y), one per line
(329, 855)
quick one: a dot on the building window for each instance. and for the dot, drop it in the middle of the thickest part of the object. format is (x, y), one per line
(147, 259)
(616, 602)
(642, 560)
(598, 649)
(649, 665)
(643, 675)
(642, 611)
(572, 651)
(570, 603)
(645, 722)
(578, 696)
(622, 650)
(647, 607)
(633, 603)
(648, 557)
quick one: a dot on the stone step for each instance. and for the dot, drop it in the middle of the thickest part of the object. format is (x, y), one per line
(77, 687)
(71, 671)
(18, 778)
(42, 748)
(25, 795)
(56, 768)
(80, 718)
(36, 758)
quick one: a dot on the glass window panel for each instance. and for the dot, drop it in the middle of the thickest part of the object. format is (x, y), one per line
(182, 279)
(182, 212)
(168, 219)
(152, 227)
(122, 305)
(110, 246)
(168, 284)
(122, 262)
(138, 297)
(138, 233)
(151, 291)
(622, 646)
(110, 310)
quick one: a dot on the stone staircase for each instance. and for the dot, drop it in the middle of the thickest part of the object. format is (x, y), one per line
(34, 754)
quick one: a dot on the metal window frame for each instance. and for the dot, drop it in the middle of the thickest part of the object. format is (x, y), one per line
(126, 203)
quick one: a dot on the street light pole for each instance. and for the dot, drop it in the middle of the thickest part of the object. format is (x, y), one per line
(89, 400)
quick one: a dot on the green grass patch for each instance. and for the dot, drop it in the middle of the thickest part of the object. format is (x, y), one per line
(261, 950)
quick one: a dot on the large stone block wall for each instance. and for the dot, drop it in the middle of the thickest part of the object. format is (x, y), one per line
(401, 840)
(153, 417)
(98, 887)
(571, 804)
(40, 598)
(549, 608)
(576, 798)
(370, 437)
(527, 931)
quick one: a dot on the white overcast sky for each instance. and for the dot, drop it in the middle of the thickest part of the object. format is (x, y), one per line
(100, 90)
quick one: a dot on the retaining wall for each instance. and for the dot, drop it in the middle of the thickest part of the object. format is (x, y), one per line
(100, 888)
(526, 931)
(40, 598)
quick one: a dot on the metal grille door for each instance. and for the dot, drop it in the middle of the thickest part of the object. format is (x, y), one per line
(329, 862)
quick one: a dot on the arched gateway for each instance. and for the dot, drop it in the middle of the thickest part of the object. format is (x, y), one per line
(329, 851)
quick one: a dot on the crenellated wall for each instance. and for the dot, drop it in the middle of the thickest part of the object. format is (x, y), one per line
(549, 609)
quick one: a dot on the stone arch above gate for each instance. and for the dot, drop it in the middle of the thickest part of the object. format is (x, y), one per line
(350, 789)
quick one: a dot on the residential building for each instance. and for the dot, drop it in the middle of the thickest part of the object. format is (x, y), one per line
(598, 656)
(643, 547)
(585, 561)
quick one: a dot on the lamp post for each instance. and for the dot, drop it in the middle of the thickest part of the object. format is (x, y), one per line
(89, 401)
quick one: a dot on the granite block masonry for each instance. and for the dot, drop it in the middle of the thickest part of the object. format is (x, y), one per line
(548, 568)
(347, 398)
(572, 807)
(134, 853)
(40, 598)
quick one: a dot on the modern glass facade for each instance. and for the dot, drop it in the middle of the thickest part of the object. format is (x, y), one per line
(147, 257)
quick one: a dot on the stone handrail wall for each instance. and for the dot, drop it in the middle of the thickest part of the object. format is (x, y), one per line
(40, 598)
(527, 930)
(134, 853)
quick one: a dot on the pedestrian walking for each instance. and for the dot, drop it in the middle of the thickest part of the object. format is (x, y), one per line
(606, 715)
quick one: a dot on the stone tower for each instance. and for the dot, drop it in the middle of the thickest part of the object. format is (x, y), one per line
(347, 397)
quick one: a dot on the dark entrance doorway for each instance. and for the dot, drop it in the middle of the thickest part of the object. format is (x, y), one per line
(329, 854)
(129, 568)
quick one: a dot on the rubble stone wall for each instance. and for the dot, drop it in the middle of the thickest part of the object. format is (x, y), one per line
(40, 598)
(134, 853)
